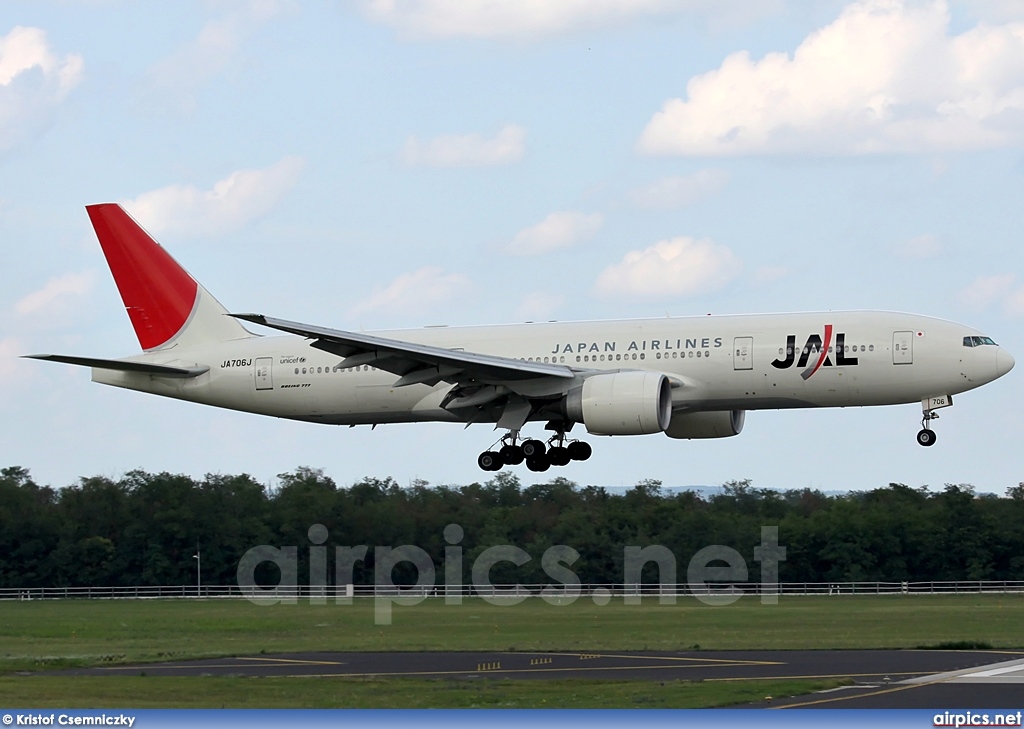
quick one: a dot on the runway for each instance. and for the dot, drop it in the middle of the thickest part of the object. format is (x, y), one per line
(882, 679)
(995, 685)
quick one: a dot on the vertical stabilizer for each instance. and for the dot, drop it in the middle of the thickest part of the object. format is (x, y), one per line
(168, 308)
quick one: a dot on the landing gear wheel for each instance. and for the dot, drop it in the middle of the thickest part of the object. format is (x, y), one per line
(511, 455)
(926, 437)
(538, 463)
(490, 461)
(532, 449)
(559, 456)
(579, 451)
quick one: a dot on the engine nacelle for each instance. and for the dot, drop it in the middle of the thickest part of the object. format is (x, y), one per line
(711, 424)
(622, 403)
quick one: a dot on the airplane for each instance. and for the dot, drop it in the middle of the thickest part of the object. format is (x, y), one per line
(686, 377)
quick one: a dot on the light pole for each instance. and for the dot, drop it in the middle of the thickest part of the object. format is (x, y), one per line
(199, 571)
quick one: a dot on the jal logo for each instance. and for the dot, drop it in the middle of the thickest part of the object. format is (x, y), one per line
(815, 353)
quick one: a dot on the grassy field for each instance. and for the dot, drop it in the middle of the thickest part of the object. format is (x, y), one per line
(44, 635)
(140, 692)
(49, 634)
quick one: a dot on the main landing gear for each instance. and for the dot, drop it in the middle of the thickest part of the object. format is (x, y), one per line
(539, 457)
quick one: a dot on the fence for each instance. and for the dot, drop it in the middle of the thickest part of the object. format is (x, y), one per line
(148, 592)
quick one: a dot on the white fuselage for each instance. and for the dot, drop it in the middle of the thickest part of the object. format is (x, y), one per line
(746, 362)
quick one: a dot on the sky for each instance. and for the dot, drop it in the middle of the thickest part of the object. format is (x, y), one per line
(376, 164)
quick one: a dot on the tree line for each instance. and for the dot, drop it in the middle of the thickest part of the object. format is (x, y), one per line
(144, 528)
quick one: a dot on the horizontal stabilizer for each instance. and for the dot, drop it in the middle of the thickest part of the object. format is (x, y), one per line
(122, 365)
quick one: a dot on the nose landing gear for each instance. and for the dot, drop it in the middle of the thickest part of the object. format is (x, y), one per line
(539, 457)
(926, 436)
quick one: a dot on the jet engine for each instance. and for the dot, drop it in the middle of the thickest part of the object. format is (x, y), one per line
(711, 424)
(622, 403)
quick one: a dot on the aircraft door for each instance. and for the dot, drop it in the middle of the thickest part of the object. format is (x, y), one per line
(903, 348)
(743, 353)
(264, 373)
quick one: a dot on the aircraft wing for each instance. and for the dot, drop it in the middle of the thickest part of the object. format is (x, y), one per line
(415, 363)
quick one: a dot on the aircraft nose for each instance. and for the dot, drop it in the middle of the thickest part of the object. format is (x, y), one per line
(1004, 362)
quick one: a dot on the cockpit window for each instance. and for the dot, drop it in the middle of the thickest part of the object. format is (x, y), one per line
(978, 341)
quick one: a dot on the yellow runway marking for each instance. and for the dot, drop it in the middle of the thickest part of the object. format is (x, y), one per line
(253, 663)
(685, 659)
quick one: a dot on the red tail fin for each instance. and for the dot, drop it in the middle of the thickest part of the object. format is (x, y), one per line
(157, 292)
(162, 299)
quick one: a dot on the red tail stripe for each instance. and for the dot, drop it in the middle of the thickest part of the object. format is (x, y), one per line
(157, 292)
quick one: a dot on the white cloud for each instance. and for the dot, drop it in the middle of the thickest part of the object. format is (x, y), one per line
(467, 150)
(675, 267)
(676, 191)
(413, 292)
(175, 80)
(514, 18)
(985, 290)
(539, 306)
(558, 230)
(33, 81)
(56, 291)
(921, 247)
(1013, 305)
(235, 201)
(999, 289)
(885, 76)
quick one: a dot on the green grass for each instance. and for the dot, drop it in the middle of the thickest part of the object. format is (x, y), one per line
(47, 635)
(140, 692)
